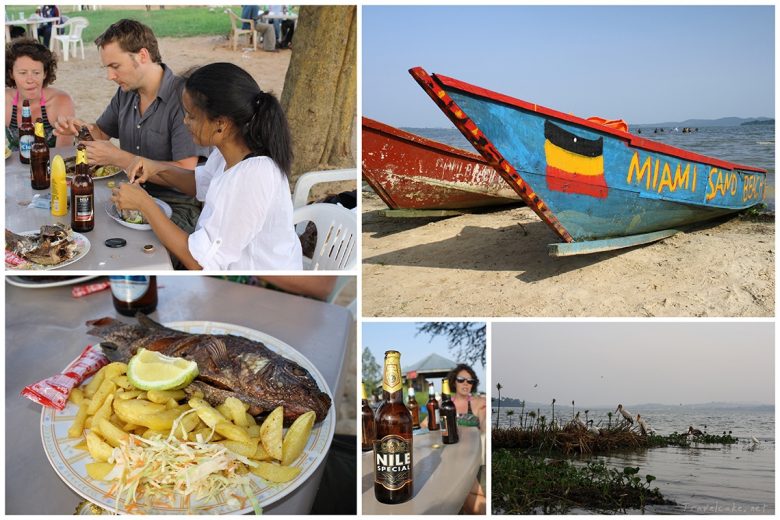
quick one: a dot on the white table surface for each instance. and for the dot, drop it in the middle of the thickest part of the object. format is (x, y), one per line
(45, 330)
(31, 23)
(19, 217)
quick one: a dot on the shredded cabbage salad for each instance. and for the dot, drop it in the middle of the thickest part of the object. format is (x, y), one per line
(164, 467)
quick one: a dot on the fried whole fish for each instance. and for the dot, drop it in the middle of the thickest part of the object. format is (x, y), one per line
(228, 366)
(51, 246)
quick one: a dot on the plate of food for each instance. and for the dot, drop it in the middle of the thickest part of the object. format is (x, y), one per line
(300, 425)
(46, 282)
(51, 247)
(97, 172)
(135, 219)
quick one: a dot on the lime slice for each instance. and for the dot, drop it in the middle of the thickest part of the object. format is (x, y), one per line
(149, 370)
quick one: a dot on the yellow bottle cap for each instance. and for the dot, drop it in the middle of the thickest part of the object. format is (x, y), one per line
(39, 129)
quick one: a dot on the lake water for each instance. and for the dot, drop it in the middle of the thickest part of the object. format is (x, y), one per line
(751, 145)
(705, 478)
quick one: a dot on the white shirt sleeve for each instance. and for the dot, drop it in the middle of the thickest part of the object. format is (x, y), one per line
(204, 174)
(237, 211)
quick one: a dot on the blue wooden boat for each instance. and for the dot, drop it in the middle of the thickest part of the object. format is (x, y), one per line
(596, 185)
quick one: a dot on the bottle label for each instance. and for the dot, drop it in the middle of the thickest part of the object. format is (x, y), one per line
(436, 416)
(25, 143)
(84, 208)
(391, 381)
(393, 462)
(129, 288)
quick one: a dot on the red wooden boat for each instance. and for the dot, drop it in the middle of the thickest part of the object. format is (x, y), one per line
(410, 172)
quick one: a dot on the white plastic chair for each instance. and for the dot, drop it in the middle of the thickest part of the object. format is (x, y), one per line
(305, 182)
(72, 36)
(236, 31)
(336, 248)
(341, 282)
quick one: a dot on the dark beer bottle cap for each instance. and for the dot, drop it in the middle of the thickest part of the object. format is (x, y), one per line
(116, 242)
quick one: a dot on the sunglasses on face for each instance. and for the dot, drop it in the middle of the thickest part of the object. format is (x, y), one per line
(464, 380)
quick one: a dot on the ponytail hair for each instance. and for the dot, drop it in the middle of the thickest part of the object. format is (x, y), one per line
(227, 90)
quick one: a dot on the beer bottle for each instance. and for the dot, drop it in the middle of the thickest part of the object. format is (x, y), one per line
(414, 408)
(82, 195)
(39, 159)
(393, 444)
(449, 415)
(26, 133)
(433, 409)
(134, 294)
(85, 134)
(369, 426)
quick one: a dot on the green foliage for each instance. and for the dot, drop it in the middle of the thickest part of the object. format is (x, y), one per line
(172, 21)
(524, 484)
(372, 372)
(466, 339)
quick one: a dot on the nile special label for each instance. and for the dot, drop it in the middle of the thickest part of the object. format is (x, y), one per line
(393, 462)
(84, 208)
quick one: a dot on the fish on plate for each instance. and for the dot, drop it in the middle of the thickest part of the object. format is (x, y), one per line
(52, 245)
(228, 366)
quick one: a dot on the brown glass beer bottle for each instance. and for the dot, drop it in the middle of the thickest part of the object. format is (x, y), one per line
(134, 294)
(26, 133)
(39, 159)
(449, 415)
(433, 409)
(82, 195)
(393, 483)
(369, 426)
(414, 408)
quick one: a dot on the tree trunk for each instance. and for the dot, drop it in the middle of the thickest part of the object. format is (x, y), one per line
(320, 88)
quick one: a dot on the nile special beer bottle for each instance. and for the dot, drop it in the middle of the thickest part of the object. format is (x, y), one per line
(433, 409)
(134, 294)
(393, 444)
(82, 195)
(449, 415)
(369, 426)
(39, 159)
(26, 133)
(414, 408)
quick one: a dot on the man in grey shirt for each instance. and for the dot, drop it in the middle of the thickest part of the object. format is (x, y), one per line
(145, 114)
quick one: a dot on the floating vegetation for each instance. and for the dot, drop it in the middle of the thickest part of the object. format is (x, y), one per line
(572, 440)
(528, 484)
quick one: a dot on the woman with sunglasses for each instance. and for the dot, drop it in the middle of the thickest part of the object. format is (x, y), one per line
(471, 408)
(471, 412)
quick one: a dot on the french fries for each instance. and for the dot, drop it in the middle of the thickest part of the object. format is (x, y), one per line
(110, 409)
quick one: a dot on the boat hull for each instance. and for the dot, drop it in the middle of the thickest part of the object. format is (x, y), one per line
(411, 172)
(588, 181)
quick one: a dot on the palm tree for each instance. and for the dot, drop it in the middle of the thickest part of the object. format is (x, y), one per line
(532, 415)
(552, 421)
(522, 417)
(498, 387)
(609, 414)
(572, 409)
(509, 414)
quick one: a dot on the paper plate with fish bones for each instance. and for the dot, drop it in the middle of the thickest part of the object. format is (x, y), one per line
(70, 462)
(80, 247)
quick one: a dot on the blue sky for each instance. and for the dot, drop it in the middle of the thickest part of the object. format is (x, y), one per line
(637, 362)
(401, 336)
(644, 64)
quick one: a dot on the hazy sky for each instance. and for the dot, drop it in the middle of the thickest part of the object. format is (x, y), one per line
(401, 336)
(644, 64)
(610, 363)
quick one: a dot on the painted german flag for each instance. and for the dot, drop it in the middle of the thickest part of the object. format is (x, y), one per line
(574, 164)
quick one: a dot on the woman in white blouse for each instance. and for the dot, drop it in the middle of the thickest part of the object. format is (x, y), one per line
(246, 222)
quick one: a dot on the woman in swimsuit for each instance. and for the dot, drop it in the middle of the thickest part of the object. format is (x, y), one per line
(29, 70)
(471, 412)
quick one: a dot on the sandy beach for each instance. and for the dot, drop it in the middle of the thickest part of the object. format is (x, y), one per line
(495, 263)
